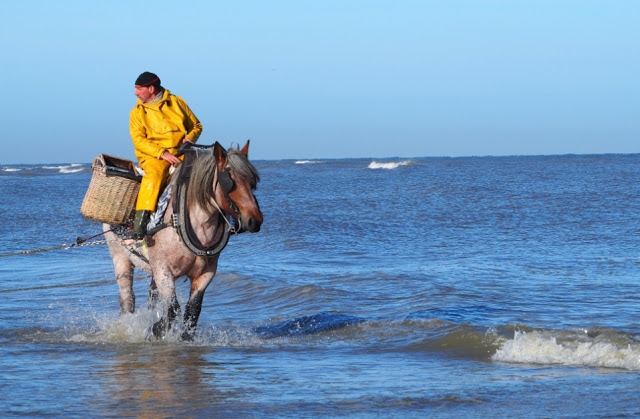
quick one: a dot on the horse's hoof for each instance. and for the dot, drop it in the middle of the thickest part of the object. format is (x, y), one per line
(159, 330)
(186, 337)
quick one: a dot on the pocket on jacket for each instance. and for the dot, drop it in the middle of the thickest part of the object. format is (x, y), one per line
(166, 128)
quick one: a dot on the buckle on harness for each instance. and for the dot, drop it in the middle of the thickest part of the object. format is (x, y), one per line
(175, 221)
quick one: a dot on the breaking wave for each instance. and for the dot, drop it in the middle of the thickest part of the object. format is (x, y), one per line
(544, 348)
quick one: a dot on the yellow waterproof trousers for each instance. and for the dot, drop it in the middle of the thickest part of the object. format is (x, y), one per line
(156, 173)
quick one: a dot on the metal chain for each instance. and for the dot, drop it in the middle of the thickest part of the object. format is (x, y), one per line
(96, 242)
(79, 242)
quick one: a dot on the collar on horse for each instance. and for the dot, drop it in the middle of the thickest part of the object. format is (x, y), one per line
(180, 217)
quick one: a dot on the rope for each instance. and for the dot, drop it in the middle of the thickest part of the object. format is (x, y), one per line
(79, 242)
(28, 252)
(224, 217)
(76, 284)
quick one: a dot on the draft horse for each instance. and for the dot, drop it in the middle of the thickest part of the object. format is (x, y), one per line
(211, 188)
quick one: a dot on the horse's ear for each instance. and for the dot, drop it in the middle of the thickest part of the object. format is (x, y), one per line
(219, 152)
(245, 149)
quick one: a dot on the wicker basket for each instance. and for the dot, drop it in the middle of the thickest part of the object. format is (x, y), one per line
(111, 197)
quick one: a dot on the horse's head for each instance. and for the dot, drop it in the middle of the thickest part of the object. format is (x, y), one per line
(237, 179)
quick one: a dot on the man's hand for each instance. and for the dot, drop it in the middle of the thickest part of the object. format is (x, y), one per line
(170, 158)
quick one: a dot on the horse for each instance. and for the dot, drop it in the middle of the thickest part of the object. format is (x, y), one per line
(210, 189)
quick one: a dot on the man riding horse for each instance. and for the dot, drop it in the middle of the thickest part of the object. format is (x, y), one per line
(212, 189)
(159, 124)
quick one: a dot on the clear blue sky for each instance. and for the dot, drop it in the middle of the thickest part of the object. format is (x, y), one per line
(326, 79)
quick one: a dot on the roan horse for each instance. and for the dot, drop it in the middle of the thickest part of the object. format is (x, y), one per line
(221, 184)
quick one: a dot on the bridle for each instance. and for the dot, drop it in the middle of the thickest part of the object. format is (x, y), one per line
(180, 216)
(223, 178)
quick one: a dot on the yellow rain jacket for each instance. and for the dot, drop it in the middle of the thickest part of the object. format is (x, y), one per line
(155, 128)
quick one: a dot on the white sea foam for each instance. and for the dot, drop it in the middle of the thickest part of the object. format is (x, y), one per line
(540, 348)
(10, 169)
(388, 165)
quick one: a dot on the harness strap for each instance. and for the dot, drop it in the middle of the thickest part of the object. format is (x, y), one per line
(157, 228)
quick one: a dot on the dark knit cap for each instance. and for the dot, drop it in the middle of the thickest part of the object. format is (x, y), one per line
(147, 79)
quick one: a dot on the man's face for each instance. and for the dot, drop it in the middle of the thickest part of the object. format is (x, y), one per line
(145, 94)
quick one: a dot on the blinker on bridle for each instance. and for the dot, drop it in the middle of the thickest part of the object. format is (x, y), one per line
(227, 185)
(225, 181)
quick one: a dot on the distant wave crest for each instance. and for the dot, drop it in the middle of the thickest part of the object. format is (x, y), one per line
(388, 165)
(543, 348)
(73, 168)
(69, 168)
(308, 161)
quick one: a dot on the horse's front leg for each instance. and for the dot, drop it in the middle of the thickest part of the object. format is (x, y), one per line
(166, 296)
(153, 295)
(194, 305)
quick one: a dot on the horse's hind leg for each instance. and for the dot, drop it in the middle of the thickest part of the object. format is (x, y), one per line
(124, 275)
(126, 297)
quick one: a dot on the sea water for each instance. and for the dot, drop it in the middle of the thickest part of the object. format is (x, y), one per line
(399, 287)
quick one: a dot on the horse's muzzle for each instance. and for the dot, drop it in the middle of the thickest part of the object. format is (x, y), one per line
(250, 224)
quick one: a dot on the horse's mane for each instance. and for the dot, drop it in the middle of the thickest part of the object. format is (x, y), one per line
(200, 191)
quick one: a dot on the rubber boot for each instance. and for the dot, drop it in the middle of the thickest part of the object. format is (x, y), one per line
(140, 225)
